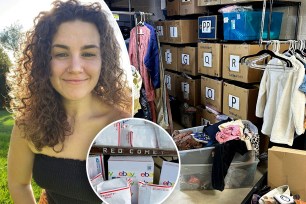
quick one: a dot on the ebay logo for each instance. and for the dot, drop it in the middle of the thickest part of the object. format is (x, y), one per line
(145, 174)
(128, 174)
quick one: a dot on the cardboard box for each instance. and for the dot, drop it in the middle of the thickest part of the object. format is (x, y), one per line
(240, 102)
(187, 60)
(208, 2)
(169, 56)
(204, 117)
(210, 59)
(211, 93)
(187, 116)
(233, 70)
(189, 90)
(191, 7)
(170, 81)
(161, 30)
(210, 27)
(169, 173)
(173, 7)
(287, 167)
(182, 31)
(138, 168)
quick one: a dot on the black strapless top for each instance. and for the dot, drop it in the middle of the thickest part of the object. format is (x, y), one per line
(64, 180)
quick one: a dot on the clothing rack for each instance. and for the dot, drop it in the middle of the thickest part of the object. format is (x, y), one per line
(133, 13)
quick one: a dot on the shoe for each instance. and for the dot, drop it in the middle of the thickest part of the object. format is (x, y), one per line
(268, 197)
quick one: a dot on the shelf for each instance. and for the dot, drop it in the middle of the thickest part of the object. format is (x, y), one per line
(128, 151)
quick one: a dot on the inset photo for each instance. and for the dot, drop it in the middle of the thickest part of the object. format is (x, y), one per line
(133, 161)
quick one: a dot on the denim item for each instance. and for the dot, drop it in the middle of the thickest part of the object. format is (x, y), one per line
(302, 87)
(151, 59)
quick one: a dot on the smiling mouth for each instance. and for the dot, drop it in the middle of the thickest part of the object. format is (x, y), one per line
(75, 81)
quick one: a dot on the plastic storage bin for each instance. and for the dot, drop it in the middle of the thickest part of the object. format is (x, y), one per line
(198, 176)
(246, 25)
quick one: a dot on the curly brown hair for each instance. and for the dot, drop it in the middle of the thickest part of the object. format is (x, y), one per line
(35, 104)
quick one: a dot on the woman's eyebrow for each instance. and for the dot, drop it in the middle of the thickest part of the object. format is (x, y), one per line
(60, 46)
(89, 47)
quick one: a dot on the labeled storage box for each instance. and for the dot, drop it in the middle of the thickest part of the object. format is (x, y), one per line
(182, 31)
(169, 173)
(211, 93)
(169, 56)
(170, 81)
(208, 2)
(240, 102)
(204, 117)
(246, 25)
(173, 7)
(233, 70)
(210, 59)
(188, 7)
(161, 30)
(239, 175)
(187, 60)
(138, 168)
(189, 90)
(210, 27)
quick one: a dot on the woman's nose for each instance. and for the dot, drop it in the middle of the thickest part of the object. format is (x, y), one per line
(76, 65)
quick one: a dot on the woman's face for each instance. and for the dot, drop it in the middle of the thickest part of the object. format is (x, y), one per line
(76, 60)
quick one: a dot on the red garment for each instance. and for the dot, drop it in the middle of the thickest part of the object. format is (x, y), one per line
(143, 41)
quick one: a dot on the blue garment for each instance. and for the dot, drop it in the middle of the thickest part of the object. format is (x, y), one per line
(151, 59)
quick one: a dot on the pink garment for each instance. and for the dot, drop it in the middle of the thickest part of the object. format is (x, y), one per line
(231, 132)
(143, 41)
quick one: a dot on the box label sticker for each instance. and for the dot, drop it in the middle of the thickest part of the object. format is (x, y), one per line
(168, 81)
(206, 26)
(210, 93)
(233, 26)
(234, 63)
(173, 32)
(160, 30)
(207, 58)
(225, 20)
(185, 89)
(168, 56)
(185, 59)
(233, 102)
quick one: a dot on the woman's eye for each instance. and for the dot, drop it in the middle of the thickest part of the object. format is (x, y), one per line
(88, 55)
(61, 55)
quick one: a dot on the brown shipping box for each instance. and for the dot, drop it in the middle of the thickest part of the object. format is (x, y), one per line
(233, 70)
(187, 60)
(169, 56)
(173, 7)
(240, 102)
(210, 59)
(170, 81)
(287, 167)
(204, 117)
(191, 7)
(161, 30)
(182, 31)
(189, 90)
(208, 2)
(211, 93)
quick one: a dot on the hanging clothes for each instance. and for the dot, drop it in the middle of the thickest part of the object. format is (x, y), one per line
(280, 103)
(151, 59)
(137, 52)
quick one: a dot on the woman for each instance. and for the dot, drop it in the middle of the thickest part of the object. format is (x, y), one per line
(67, 87)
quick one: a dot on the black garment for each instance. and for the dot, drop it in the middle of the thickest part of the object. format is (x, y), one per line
(211, 130)
(64, 180)
(298, 143)
(145, 111)
(223, 157)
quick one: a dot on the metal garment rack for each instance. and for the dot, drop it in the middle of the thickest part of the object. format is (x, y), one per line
(279, 3)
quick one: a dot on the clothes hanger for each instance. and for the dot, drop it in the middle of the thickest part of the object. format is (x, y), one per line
(266, 53)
